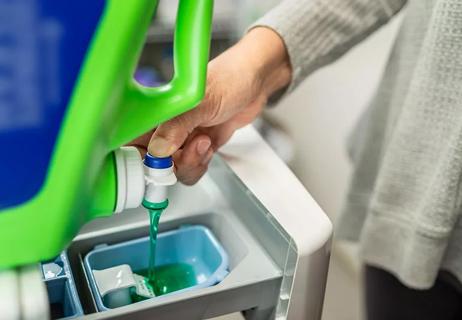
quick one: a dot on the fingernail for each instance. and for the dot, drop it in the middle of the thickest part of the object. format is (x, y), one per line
(203, 146)
(208, 157)
(160, 147)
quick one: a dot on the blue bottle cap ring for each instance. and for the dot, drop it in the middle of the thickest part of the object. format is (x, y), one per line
(157, 163)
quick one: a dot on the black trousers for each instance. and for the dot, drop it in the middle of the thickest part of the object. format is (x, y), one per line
(388, 299)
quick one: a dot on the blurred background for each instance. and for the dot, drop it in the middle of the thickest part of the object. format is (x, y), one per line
(308, 129)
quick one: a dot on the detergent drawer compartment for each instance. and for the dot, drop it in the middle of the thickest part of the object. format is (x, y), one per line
(62, 293)
(187, 258)
(236, 274)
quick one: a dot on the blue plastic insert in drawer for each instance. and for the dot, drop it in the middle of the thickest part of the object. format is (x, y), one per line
(62, 294)
(194, 246)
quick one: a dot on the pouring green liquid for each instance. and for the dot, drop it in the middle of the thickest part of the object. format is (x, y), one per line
(155, 211)
(165, 278)
(154, 217)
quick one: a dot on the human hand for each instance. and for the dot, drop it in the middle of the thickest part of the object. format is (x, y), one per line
(239, 82)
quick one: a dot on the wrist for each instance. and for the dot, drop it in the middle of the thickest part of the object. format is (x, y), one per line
(268, 58)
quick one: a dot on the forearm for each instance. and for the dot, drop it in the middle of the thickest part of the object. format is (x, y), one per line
(316, 32)
(268, 57)
(261, 60)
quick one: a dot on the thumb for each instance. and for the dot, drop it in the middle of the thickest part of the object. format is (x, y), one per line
(171, 135)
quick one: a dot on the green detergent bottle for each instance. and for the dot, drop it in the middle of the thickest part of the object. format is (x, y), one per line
(60, 171)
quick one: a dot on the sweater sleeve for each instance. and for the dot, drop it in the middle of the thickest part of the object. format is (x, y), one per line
(316, 32)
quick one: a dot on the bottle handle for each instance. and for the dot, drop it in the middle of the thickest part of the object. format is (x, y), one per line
(143, 108)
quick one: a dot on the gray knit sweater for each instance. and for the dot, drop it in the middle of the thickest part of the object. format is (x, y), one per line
(404, 201)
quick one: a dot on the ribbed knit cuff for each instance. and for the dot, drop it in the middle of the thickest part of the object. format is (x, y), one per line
(403, 250)
(316, 32)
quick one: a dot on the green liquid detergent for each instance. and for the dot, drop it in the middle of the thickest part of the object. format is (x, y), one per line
(165, 278)
(171, 277)
(154, 217)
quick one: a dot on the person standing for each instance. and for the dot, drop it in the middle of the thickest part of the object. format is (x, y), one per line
(405, 199)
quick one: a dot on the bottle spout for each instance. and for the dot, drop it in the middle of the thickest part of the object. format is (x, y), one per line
(128, 182)
(159, 175)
